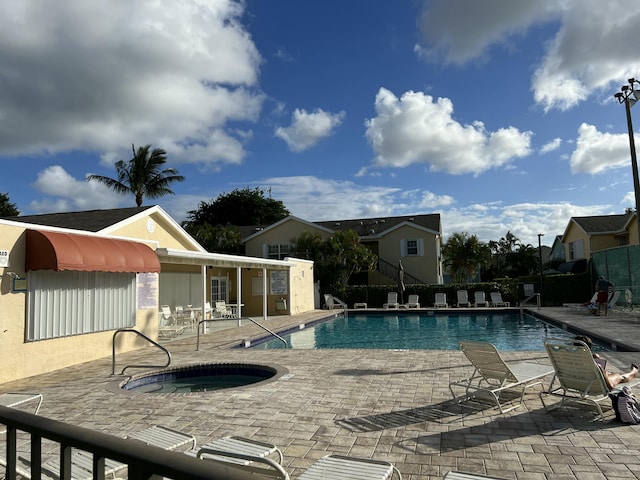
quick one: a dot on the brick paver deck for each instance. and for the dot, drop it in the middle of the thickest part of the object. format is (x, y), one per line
(392, 405)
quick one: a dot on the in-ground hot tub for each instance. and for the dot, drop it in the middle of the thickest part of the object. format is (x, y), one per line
(205, 377)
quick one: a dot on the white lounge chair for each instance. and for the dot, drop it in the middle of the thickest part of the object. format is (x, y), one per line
(492, 376)
(496, 300)
(333, 303)
(578, 379)
(463, 298)
(392, 301)
(169, 327)
(479, 299)
(440, 300)
(219, 449)
(590, 304)
(82, 462)
(413, 302)
(457, 475)
(329, 467)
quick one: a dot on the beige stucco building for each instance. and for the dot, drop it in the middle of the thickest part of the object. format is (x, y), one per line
(586, 235)
(415, 240)
(68, 281)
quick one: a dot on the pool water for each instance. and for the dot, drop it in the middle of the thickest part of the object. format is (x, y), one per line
(199, 384)
(206, 377)
(428, 331)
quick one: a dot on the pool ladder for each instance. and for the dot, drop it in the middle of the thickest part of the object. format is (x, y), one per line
(153, 342)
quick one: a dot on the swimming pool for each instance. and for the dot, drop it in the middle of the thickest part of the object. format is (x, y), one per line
(424, 331)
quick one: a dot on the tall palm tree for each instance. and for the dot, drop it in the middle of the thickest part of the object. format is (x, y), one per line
(142, 176)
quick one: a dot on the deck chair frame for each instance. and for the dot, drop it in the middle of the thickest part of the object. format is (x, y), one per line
(480, 299)
(463, 299)
(440, 300)
(392, 301)
(577, 379)
(492, 376)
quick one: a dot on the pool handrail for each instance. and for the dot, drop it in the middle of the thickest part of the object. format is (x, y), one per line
(153, 342)
(205, 320)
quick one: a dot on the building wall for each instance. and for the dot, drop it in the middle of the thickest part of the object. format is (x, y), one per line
(22, 359)
(425, 267)
(573, 234)
(156, 230)
(280, 234)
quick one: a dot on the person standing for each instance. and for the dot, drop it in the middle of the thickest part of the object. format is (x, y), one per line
(602, 288)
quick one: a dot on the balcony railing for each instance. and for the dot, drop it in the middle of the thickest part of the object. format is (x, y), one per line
(143, 461)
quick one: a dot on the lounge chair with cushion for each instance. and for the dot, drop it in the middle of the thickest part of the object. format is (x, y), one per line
(440, 301)
(479, 299)
(463, 298)
(332, 302)
(578, 379)
(392, 301)
(492, 376)
(413, 302)
(496, 300)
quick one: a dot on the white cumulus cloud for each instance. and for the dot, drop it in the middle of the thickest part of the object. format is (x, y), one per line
(309, 128)
(416, 128)
(96, 76)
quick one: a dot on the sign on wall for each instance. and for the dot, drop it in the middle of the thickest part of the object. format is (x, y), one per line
(278, 283)
(4, 258)
(147, 285)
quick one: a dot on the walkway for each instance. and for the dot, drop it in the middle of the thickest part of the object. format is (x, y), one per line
(391, 405)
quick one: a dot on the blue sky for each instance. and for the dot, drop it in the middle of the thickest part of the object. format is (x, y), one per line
(498, 114)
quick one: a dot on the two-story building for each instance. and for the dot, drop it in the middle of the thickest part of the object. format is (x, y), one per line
(416, 240)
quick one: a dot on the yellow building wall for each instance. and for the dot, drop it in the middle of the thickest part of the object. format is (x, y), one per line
(280, 234)
(301, 292)
(574, 234)
(19, 358)
(423, 267)
(155, 229)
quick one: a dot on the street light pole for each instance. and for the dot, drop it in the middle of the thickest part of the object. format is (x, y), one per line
(624, 96)
(540, 235)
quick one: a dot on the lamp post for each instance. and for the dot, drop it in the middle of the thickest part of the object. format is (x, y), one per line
(540, 235)
(629, 96)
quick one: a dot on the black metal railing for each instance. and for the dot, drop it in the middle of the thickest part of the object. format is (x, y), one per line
(390, 270)
(142, 461)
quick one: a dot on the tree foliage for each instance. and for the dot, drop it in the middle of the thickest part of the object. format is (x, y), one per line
(240, 207)
(512, 258)
(7, 209)
(336, 258)
(218, 238)
(142, 176)
(463, 253)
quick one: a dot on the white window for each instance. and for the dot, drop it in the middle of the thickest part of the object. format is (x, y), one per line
(576, 249)
(72, 303)
(413, 247)
(219, 290)
(278, 252)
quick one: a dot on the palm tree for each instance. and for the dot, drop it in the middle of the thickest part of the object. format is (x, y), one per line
(142, 176)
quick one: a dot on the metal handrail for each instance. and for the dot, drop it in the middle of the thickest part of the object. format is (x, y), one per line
(271, 332)
(153, 342)
(537, 295)
(204, 320)
(143, 461)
